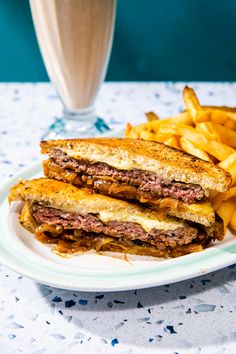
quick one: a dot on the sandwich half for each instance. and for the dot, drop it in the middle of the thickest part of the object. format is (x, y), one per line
(78, 220)
(151, 173)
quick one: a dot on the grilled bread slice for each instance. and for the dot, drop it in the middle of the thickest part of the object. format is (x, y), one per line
(130, 154)
(77, 220)
(68, 198)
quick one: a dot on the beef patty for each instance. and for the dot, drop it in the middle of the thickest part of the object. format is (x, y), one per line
(131, 231)
(147, 182)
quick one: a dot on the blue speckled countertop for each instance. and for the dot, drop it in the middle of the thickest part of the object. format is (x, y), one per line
(194, 316)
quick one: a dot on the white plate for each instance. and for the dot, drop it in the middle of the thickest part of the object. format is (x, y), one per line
(92, 272)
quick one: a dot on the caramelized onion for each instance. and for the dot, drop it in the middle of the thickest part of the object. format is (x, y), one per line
(78, 232)
(84, 179)
(144, 200)
(70, 237)
(100, 242)
(65, 247)
(86, 243)
(161, 213)
(52, 233)
(118, 188)
(70, 176)
(168, 203)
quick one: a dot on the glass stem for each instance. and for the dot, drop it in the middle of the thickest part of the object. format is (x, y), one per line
(85, 115)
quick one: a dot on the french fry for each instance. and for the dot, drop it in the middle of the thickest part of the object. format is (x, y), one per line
(192, 104)
(144, 134)
(134, 132)
(226, 211)
(222, 197)
(128, 129)
(230, 124)
(151, 116)
(232, 171)
(232, 223)
(207, 128)
(217, 149)
(154, 125)
(229, 110)
(218, 114)
(214, 114)
(189, 147)
(151, 126)
(172, 129)
(161, 138)
(183, 117)
(139, 128)
(173, 142)
(228, 162)
(130, 132)
(230, 165)
(227, 136)
(221, 113)
(162, 124)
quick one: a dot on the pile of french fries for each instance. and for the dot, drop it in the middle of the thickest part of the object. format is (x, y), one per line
(208, 132)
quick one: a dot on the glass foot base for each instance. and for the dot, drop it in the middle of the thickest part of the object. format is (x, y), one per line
(62, 129)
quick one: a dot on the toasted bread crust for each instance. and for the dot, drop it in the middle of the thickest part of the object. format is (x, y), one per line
(151, 156)
(67, 197)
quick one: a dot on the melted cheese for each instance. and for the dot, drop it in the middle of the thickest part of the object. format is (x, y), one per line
(147, 223)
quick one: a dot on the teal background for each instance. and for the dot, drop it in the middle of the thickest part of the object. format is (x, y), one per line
(154, 40)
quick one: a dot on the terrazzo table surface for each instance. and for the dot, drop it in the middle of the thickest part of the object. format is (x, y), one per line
(193, 316)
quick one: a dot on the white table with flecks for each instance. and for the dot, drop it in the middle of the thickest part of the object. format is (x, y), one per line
(192, 316)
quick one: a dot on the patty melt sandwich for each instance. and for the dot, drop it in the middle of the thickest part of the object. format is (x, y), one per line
(78, 219)
(151, 173)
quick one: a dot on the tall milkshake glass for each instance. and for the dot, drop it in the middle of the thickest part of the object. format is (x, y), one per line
(75, 38)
